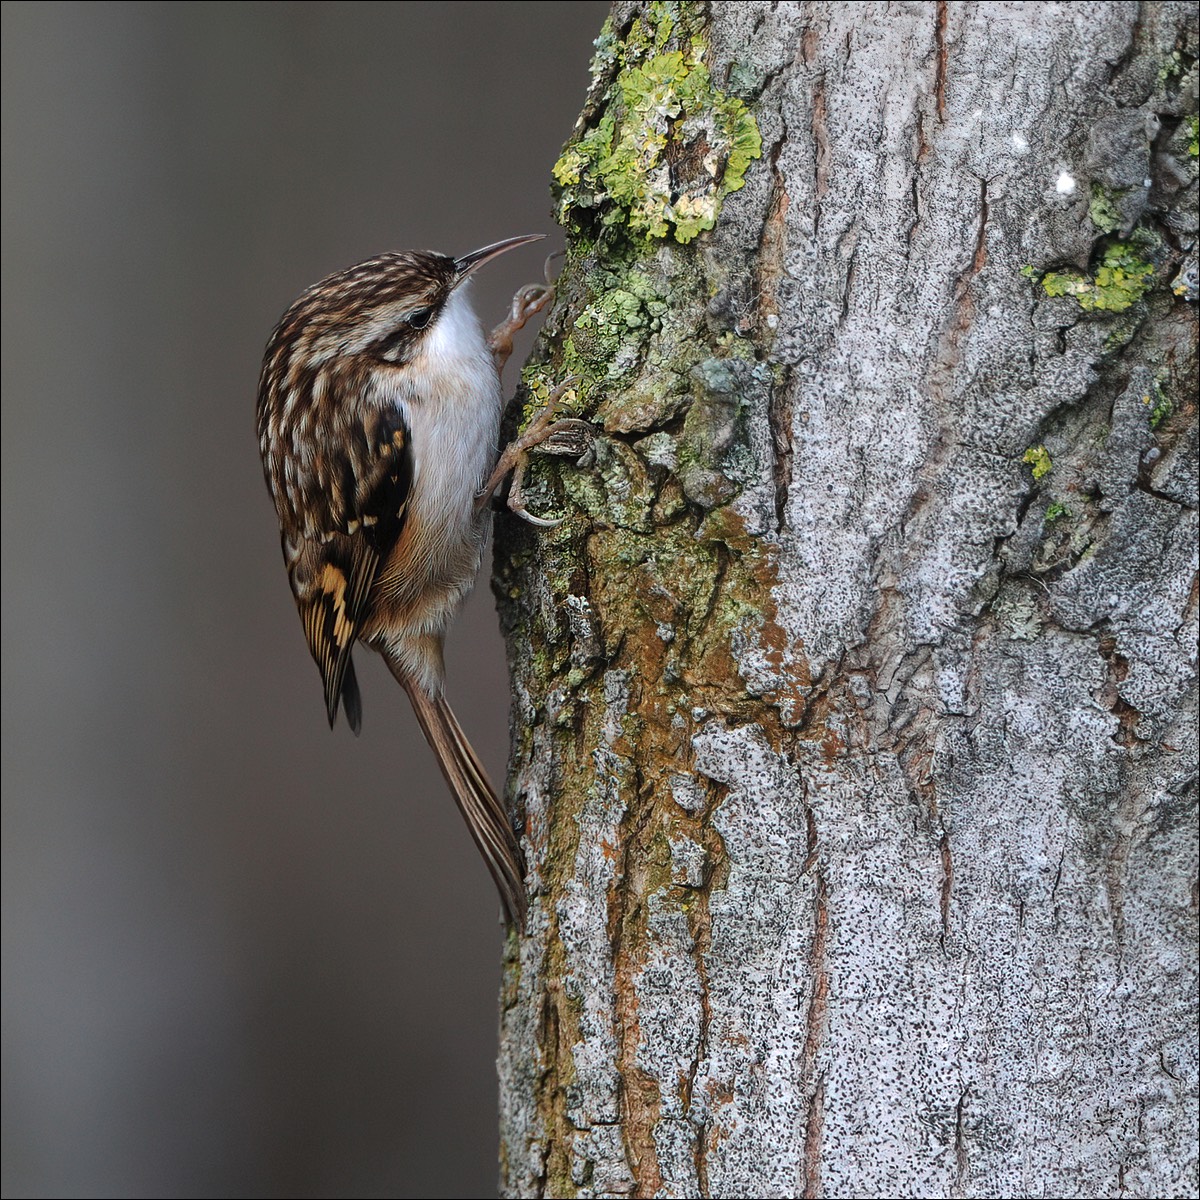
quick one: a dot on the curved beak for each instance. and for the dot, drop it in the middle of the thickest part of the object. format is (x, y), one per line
(465, 265)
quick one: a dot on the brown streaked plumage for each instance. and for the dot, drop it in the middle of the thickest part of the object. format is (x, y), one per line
(378, 416)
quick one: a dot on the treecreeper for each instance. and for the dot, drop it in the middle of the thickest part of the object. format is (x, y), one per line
(379, 410)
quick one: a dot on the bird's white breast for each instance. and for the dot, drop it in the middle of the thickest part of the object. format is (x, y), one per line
(450, 397)
(455, 418)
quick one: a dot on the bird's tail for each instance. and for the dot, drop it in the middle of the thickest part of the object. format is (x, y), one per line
(475, 797)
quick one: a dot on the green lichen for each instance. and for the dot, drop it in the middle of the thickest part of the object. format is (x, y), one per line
(628, 303)
(1121, 280)
(1018, 614)
(1103, 210)
(1121, 332)
(746, 79)
(1159, 403)
(1170, 68)
(539, 385)
(606, 45)
(625, 307)
(1038, 457)
(1056, 509)
(670, 145)
(1193, 131)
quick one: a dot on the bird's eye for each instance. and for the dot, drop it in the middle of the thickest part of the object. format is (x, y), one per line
(419, 318)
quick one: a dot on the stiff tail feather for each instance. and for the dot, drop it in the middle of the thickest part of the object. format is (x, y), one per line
(351, 700)
(476, 799)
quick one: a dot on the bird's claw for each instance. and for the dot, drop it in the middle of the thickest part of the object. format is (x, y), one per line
(516, 502)
(546, 434)
(568, 437)
(526, 304)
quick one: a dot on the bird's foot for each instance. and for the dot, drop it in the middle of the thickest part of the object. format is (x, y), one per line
(546, 434)
(526, 304)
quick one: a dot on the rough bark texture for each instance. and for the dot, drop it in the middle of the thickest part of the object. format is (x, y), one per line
(855, 699)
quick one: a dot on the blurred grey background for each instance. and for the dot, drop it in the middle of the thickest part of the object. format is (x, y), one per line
(242, 955)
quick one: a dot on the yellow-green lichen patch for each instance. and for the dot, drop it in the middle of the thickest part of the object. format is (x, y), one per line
(630, 302)
(1039, 460)
(1121, 280)
(1103, 210)
(670, 145)
(1056, 509)
(621, 309)
(1159, 404)
(1193, 136)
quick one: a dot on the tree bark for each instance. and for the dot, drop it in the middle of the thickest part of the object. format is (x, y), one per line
(854, 728)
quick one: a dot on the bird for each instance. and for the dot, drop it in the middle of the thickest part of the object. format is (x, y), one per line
(378, 419)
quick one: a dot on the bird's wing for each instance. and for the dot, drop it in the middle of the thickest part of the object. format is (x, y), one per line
(348, 511)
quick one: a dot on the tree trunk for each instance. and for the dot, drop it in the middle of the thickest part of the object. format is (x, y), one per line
(855, 699)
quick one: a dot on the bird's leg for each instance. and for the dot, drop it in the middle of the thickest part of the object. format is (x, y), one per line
(545, 435)
(526, 304)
